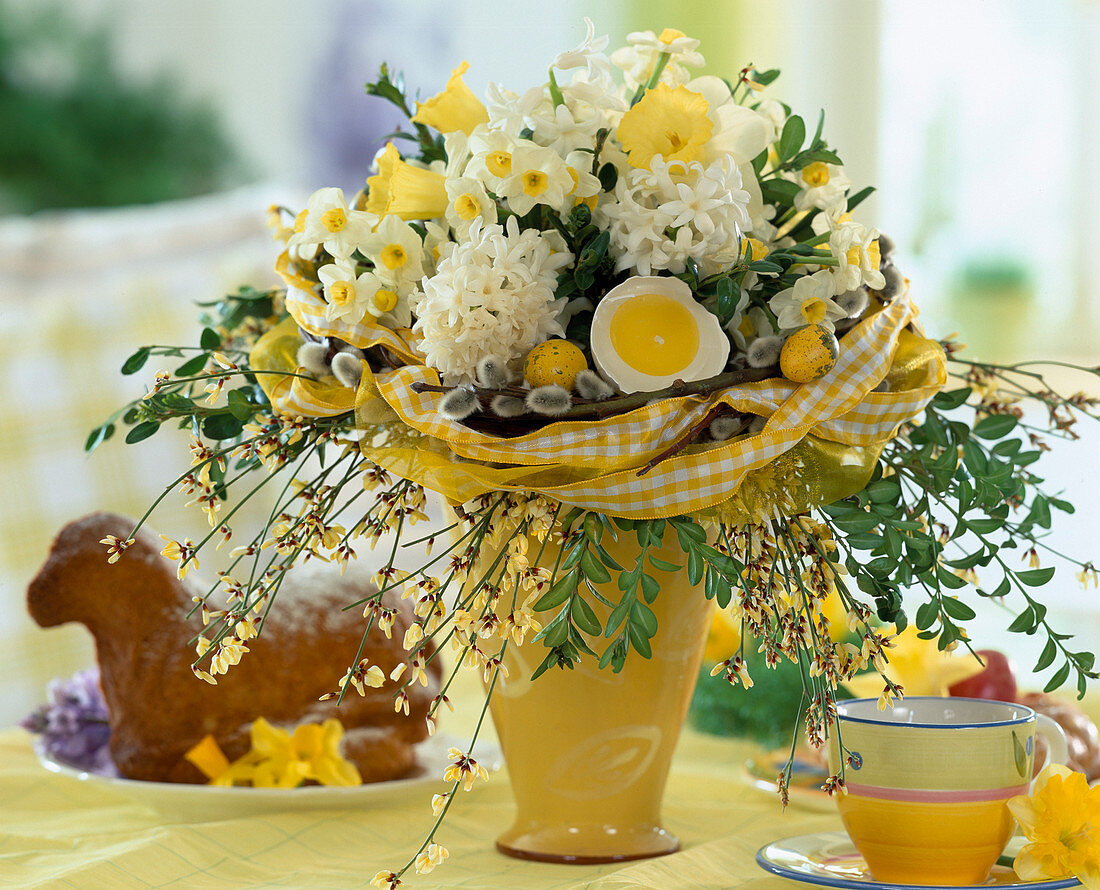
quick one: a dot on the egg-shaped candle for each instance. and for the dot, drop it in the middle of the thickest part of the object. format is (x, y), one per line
(649, 332)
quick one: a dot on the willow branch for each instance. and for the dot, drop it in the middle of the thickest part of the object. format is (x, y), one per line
(588, 408)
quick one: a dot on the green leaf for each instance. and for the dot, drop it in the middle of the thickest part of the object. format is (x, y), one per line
(727, 299)
(858, 522)
(1035, 577)
(650, 588)
(643, 615)
(209, 339)
(689, 527)
(98, 436)
(884, 491)
(608, 176)
(1046, 659)
(663, 564)
(694, 567)
(639, 640)
(996, 426)
(927, 614)
(618, 614)
(1025, 622)
(584, 617)
(957, 609)
(949, 579)
(951, 399)
(192, 366)
(222, 426)
(556, 632)
(548, 662)
(779, 191)
(239, 404)
(824, 155)
(1058, 679)
(607, 559)
(792, 137)
(558, 593)
(975, 459)
(142, 431)
(136, 361)
(859, 197)
(593, 569)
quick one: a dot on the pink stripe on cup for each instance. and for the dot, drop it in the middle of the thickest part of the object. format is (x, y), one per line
(925, 796)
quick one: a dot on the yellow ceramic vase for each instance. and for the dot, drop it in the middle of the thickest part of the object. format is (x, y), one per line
(588, 750)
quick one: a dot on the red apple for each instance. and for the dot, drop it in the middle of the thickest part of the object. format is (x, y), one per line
(997, 681)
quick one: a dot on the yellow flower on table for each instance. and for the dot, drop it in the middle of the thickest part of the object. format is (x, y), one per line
(279, 759)
(1061, 820)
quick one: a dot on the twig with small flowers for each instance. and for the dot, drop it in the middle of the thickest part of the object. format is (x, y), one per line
(467, 769)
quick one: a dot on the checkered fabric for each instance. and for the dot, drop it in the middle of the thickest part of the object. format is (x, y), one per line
(594, 464)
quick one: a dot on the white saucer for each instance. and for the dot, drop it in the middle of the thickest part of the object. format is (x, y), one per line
(829, 859)
(202, 803)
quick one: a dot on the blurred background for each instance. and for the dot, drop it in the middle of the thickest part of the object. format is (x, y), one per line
(143, 141)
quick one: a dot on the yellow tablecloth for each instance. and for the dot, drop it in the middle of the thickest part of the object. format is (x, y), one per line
(59, 832)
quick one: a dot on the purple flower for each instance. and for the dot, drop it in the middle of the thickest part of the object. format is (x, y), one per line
(74, 725)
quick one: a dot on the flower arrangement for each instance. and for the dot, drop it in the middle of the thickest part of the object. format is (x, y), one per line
(632, 304)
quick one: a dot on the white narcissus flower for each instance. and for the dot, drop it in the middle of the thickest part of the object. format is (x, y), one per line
(585, 183)
(589, 54)
(493, 294)
(397, 252)
(638, 60)
(329, 222)
(538, 176)
(856, 250)
(467, 200)
(508, 110)
(491, 157)
(350, 297)
(810, 301)
(823, 186)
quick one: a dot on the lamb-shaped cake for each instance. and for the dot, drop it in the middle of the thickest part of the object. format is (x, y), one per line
(137, 612)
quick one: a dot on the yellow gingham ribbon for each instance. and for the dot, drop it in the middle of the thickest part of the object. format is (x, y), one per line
(885, 375)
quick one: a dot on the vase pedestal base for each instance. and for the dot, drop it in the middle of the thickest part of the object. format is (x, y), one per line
(580, 844)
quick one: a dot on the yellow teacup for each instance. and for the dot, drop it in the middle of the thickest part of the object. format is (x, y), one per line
(926, 782)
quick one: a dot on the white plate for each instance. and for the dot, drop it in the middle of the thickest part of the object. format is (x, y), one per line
(830, 859)
(201, 803)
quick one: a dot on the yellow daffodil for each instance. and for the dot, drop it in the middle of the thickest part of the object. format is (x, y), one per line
(456, 108)
(668, 121)
(406, 191)
(1061, 819)
(919, 667)
(278, 759)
